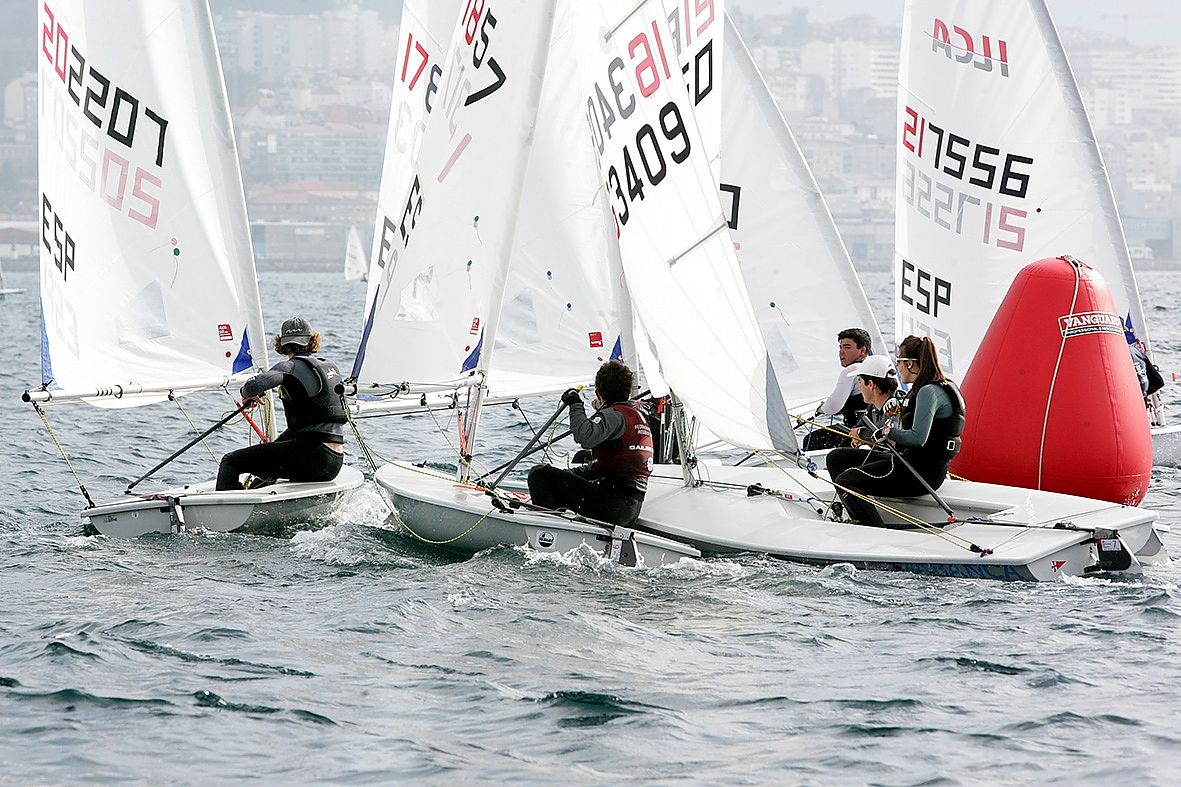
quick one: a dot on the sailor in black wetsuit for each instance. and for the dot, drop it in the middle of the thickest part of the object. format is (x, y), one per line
(929, 436)
(312, 446)
(877, 382)
(611, 488)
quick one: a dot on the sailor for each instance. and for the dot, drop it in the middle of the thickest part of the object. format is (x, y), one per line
(611, 487)
(312, 446)
(877, 381)
(931, 423)
(853, 346)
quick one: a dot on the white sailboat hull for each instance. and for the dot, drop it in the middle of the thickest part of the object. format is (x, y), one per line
(1166, 445)
(1021, 533)
(267, 510)
(461, 518)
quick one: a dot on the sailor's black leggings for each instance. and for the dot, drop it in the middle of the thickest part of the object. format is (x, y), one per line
(296, 459)
(878, 474)
(553, 487)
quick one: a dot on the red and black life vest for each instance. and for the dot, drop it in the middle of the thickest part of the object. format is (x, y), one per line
(629, 455)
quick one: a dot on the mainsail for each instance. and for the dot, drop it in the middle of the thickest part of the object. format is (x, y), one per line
(798, 274)
(673, 234)
(423, 32)
(147, 273)
(997, 167)
(564, 306)
(435, 307)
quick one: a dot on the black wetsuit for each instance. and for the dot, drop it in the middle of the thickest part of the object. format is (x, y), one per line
(611, 488)
(929, 438)
(850, 413)
(841, 459)
(315, 416)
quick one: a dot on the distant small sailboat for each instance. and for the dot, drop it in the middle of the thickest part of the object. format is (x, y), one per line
(5, 289)
(356, 266)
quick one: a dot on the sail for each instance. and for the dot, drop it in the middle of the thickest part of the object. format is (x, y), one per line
(444, 254)
(147, 273)
(566, 308)
(997, 167)
(672, 232)
(356, 267)
(798, 274)
(424, 31)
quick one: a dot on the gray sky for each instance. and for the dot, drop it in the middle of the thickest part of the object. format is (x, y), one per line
(1155, 22)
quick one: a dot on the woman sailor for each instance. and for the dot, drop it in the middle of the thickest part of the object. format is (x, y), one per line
(931, 423)
(312, 447)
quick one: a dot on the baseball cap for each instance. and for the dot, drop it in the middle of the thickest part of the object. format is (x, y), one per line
(873, 366)
(296, 331)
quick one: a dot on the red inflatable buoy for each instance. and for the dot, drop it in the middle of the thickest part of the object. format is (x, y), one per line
(1052, 397)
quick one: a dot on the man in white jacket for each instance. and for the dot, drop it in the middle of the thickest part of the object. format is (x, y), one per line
(853, 346)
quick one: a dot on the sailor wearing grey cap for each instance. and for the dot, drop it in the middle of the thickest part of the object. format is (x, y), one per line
(312, 446)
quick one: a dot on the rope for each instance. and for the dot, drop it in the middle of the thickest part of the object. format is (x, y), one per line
(230, 396)
(196, 431)
(905, 517)
(544, 446)
(1054, 380)
(423, 471)
(69, 464)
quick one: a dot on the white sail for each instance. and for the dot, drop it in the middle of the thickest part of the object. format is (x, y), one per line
(424, 31)
(566, 308)
(799, 276)
(356, 267)
(147, 274)
(565, 305)
(673, 236)
(437, 302)
(997, 167)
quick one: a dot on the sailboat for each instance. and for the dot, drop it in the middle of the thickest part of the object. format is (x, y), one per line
(5, 289)
(673, 242)
(356, 267)
(690, 298)
(148, 285)
(432, 333)
(998, 166)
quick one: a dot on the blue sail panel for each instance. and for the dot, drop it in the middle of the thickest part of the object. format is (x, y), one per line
(360, 359)
(244, 360)
(474, 358)
(46, 360)
(617, 350)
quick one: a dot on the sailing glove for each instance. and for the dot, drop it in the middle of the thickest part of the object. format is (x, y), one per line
(571, 396)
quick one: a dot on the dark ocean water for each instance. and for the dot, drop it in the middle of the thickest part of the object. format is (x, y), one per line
(350, 654)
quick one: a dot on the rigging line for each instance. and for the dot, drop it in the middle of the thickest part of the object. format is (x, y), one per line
(196, 431)
(61, 448)
(460, 459)
(622, 22)
(1041, 453)
(544, 448)
(249, 433)
(926, 527)
(368, 454)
